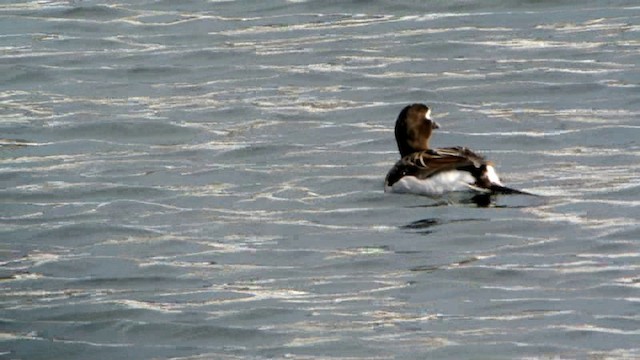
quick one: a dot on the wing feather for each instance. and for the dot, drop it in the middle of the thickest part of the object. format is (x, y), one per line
(424, 164)
(433, 161)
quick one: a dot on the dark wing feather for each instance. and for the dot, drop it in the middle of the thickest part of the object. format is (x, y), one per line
(460, 153)
(424, 164)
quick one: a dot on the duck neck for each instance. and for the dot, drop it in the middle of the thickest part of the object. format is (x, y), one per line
(409, 147)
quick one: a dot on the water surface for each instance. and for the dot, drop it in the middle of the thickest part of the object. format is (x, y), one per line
(204, 180)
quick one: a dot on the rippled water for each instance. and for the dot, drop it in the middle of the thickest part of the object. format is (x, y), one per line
(204, 180)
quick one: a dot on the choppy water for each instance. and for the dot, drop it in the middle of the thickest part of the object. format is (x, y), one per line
(204, 180)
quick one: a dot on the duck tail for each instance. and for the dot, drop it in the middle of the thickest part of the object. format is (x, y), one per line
(499, 189)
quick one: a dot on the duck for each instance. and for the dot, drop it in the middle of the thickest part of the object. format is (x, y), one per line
(435, 172)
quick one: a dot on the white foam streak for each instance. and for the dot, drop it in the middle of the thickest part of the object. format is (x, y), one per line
(595, 329)
(529, 44)
(155, 306)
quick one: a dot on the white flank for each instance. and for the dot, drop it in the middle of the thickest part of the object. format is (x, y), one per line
(436, 185)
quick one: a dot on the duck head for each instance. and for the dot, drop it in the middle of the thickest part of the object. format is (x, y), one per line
(413, 129)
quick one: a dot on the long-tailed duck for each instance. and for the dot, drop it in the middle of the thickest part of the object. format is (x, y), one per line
(435, 172)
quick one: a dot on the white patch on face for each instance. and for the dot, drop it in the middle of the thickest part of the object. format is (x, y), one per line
(428, 115)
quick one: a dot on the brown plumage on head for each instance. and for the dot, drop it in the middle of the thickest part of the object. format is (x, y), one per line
(413, 129)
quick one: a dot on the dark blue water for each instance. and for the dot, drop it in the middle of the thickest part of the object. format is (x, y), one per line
(203, 180)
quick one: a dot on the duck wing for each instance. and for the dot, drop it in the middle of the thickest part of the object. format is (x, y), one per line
(424, 164)
(432, 161)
